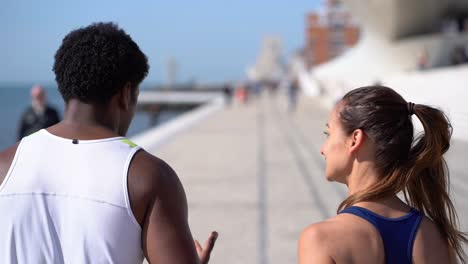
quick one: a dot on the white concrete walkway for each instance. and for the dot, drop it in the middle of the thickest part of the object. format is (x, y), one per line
(254, 173)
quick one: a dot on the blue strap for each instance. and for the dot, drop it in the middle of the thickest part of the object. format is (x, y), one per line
(414, 230)
(397, 234)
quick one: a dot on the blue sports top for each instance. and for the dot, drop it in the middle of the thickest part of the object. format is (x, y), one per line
(397, 233)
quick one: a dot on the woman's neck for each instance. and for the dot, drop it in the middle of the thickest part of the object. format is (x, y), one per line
(363, 175)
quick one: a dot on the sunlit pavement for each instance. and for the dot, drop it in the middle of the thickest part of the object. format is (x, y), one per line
(254, 173)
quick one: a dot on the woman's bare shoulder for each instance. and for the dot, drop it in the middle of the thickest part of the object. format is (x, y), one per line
(327, 234)
(318, 231)
(336, 226)
(315, 242)
(429, 244)
(339, 238)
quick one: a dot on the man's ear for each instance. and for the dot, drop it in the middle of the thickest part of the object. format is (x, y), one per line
(356, 140)
(125, 96)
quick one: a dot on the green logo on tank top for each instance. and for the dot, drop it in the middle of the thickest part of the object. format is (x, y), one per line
(128, 142)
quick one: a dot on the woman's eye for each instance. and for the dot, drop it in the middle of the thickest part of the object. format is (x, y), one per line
(326, 133)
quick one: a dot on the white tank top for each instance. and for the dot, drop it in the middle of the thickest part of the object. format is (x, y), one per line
(63, 202)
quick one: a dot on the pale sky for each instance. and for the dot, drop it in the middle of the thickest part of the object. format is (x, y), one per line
(211, 40)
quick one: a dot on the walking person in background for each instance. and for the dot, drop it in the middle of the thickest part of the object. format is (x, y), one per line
(293, 94)
(79, 191)
(39, 115)
(370, 148)
(227, 93)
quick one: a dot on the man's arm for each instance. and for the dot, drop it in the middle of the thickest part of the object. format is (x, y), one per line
(160, 205)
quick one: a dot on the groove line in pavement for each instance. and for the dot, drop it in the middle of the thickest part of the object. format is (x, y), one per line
(301, 164)
(262, 187)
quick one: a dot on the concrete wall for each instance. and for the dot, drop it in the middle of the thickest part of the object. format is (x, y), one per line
(394, 35)
(443, 88)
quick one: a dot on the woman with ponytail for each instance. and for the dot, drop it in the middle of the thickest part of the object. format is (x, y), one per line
(371, 148)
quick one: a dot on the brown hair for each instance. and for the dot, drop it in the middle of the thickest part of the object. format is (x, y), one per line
(414, 166)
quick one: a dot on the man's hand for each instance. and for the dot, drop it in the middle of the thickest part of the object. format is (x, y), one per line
(204, 253)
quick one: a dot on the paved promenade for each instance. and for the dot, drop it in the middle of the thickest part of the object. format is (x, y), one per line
(254, 173)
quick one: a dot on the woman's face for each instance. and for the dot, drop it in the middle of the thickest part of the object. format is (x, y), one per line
(335, 149)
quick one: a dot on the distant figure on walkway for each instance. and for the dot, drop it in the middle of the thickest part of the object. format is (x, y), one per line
(227, 92)
(242, 94)
(293, 94)
(39, 115)
(370, 148)
(423, 60)
(459, 55)
(79, 191)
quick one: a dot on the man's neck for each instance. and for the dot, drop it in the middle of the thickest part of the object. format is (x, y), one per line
(80, 115)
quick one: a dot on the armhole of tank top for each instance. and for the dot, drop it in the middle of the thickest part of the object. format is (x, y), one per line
(12, 165)
(413, 233)
(125, 186)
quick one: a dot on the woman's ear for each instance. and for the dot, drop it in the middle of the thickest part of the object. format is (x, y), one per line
(356, 140)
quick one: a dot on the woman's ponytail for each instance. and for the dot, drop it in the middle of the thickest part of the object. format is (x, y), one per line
(427, 178)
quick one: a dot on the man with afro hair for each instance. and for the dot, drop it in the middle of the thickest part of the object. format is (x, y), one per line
(79, 191)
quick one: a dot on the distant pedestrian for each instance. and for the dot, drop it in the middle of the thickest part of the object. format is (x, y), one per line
(293, 94)
(423, 60)
(459, 55)
(227, 92)
(242, 94)
(371, 149)
(38, 115)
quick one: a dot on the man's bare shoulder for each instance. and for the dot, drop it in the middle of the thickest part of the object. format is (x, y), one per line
(6, 158)
(147, 172)
(8, 153)
(149, 179)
